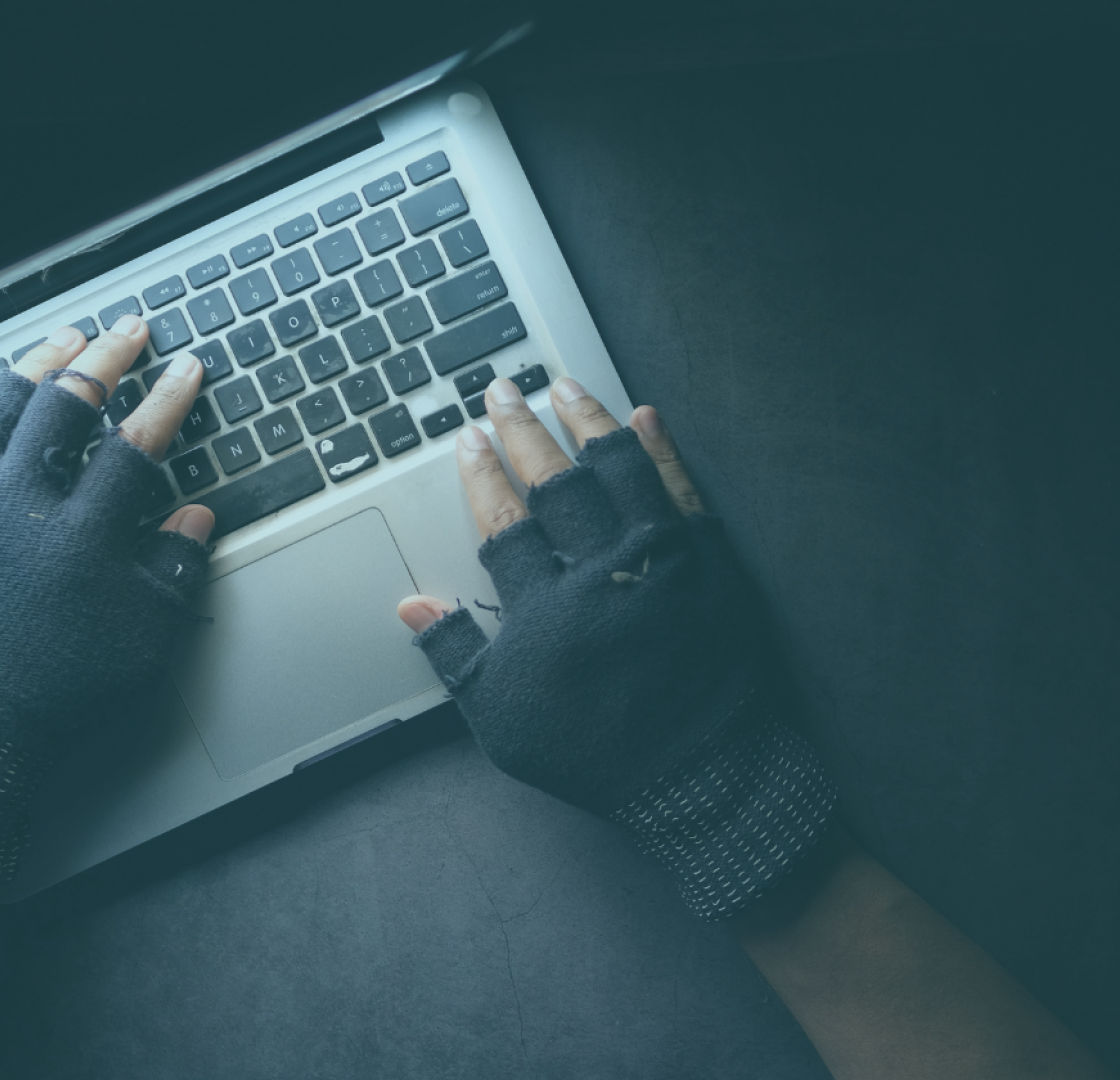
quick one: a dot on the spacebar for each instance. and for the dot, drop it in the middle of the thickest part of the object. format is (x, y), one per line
(263, 492)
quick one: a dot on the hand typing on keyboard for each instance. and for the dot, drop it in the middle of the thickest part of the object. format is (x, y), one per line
(86, 613)
(626, 675)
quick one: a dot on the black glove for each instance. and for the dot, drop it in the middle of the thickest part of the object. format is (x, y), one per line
(623, 679)
(85, 611)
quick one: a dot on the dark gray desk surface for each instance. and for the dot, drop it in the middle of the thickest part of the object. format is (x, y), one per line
(875, 296)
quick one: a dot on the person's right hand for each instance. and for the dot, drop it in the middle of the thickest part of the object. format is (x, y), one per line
(625, 676)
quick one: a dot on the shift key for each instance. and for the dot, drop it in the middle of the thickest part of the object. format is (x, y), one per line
(470, 341)
(263, 492)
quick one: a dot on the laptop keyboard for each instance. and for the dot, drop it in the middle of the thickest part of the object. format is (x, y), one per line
(312, 339)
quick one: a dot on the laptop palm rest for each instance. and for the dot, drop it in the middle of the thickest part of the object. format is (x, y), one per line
(303, 642)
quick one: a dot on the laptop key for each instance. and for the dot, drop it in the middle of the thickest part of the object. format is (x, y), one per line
(406, 372)
(251, 251)
(293, 323)
(142, 358)
(340, 209)
(463, 243)
(87, 327)
(533, 378)
(210, 311)
(252, 291)
(251, 342)
(295, 272)
(378, 283)
(363, 391)
(466, 292)
(321, 411)
(421, 263)
(380, 231)
(408, 319)
(238, 399)
(128, 306)
(123, 400)
(478, 378)
(338, 251)
(235, 451)
(475, 405)
(169, 332)
(200, 422)
(163, 292)
(152, 374)
(280, 379)
(433, 206)
(446, 419)
(204, 273)
(384, 187)
(428, 168)
(347, 453)
(323, 360)
(292, 232)
(336, 303)
(278, 430)
(395, 430)
(193, 470)
(263, 491)
(470, 341)
(365, 340)
(215, 361)
(23, 350)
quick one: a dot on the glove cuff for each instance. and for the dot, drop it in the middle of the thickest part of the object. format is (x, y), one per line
(732, 819)
(20, 774)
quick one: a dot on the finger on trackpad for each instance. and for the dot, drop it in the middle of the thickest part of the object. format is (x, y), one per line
(303, 642)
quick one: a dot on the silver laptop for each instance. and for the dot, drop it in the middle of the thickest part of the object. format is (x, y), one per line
(349, 323)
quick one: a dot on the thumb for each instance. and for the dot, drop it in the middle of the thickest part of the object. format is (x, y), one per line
(419, 612)
(194, 521)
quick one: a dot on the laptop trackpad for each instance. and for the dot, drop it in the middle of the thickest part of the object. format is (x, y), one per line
(304, 642)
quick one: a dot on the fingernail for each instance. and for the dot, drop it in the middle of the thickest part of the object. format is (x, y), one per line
(128, 325)
(568, 390)
(65, 336)
(474, 438)
(197, 525)
(503, 392)
(182, 365)
(650, 423)
(418, 613)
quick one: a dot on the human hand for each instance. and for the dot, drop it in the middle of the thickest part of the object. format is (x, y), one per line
(626, 674)
(85, 611)
(537, 457)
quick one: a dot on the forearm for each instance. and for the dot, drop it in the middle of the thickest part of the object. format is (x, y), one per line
(885, 987)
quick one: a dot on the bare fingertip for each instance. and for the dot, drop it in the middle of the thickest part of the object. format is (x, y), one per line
(474, 438)
(183, 365)
(128, 325)
(65, 337)
(420, 612)
(647, 421)
(197, 522)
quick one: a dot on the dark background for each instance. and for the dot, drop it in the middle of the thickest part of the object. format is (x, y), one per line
(865, 263)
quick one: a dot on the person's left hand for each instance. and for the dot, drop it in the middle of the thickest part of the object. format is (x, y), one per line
(87, 613)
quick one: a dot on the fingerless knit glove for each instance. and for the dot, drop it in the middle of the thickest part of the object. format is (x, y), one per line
(623, 680)
(84, 610)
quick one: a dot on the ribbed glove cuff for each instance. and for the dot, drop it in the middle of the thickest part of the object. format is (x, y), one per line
(732, 819)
